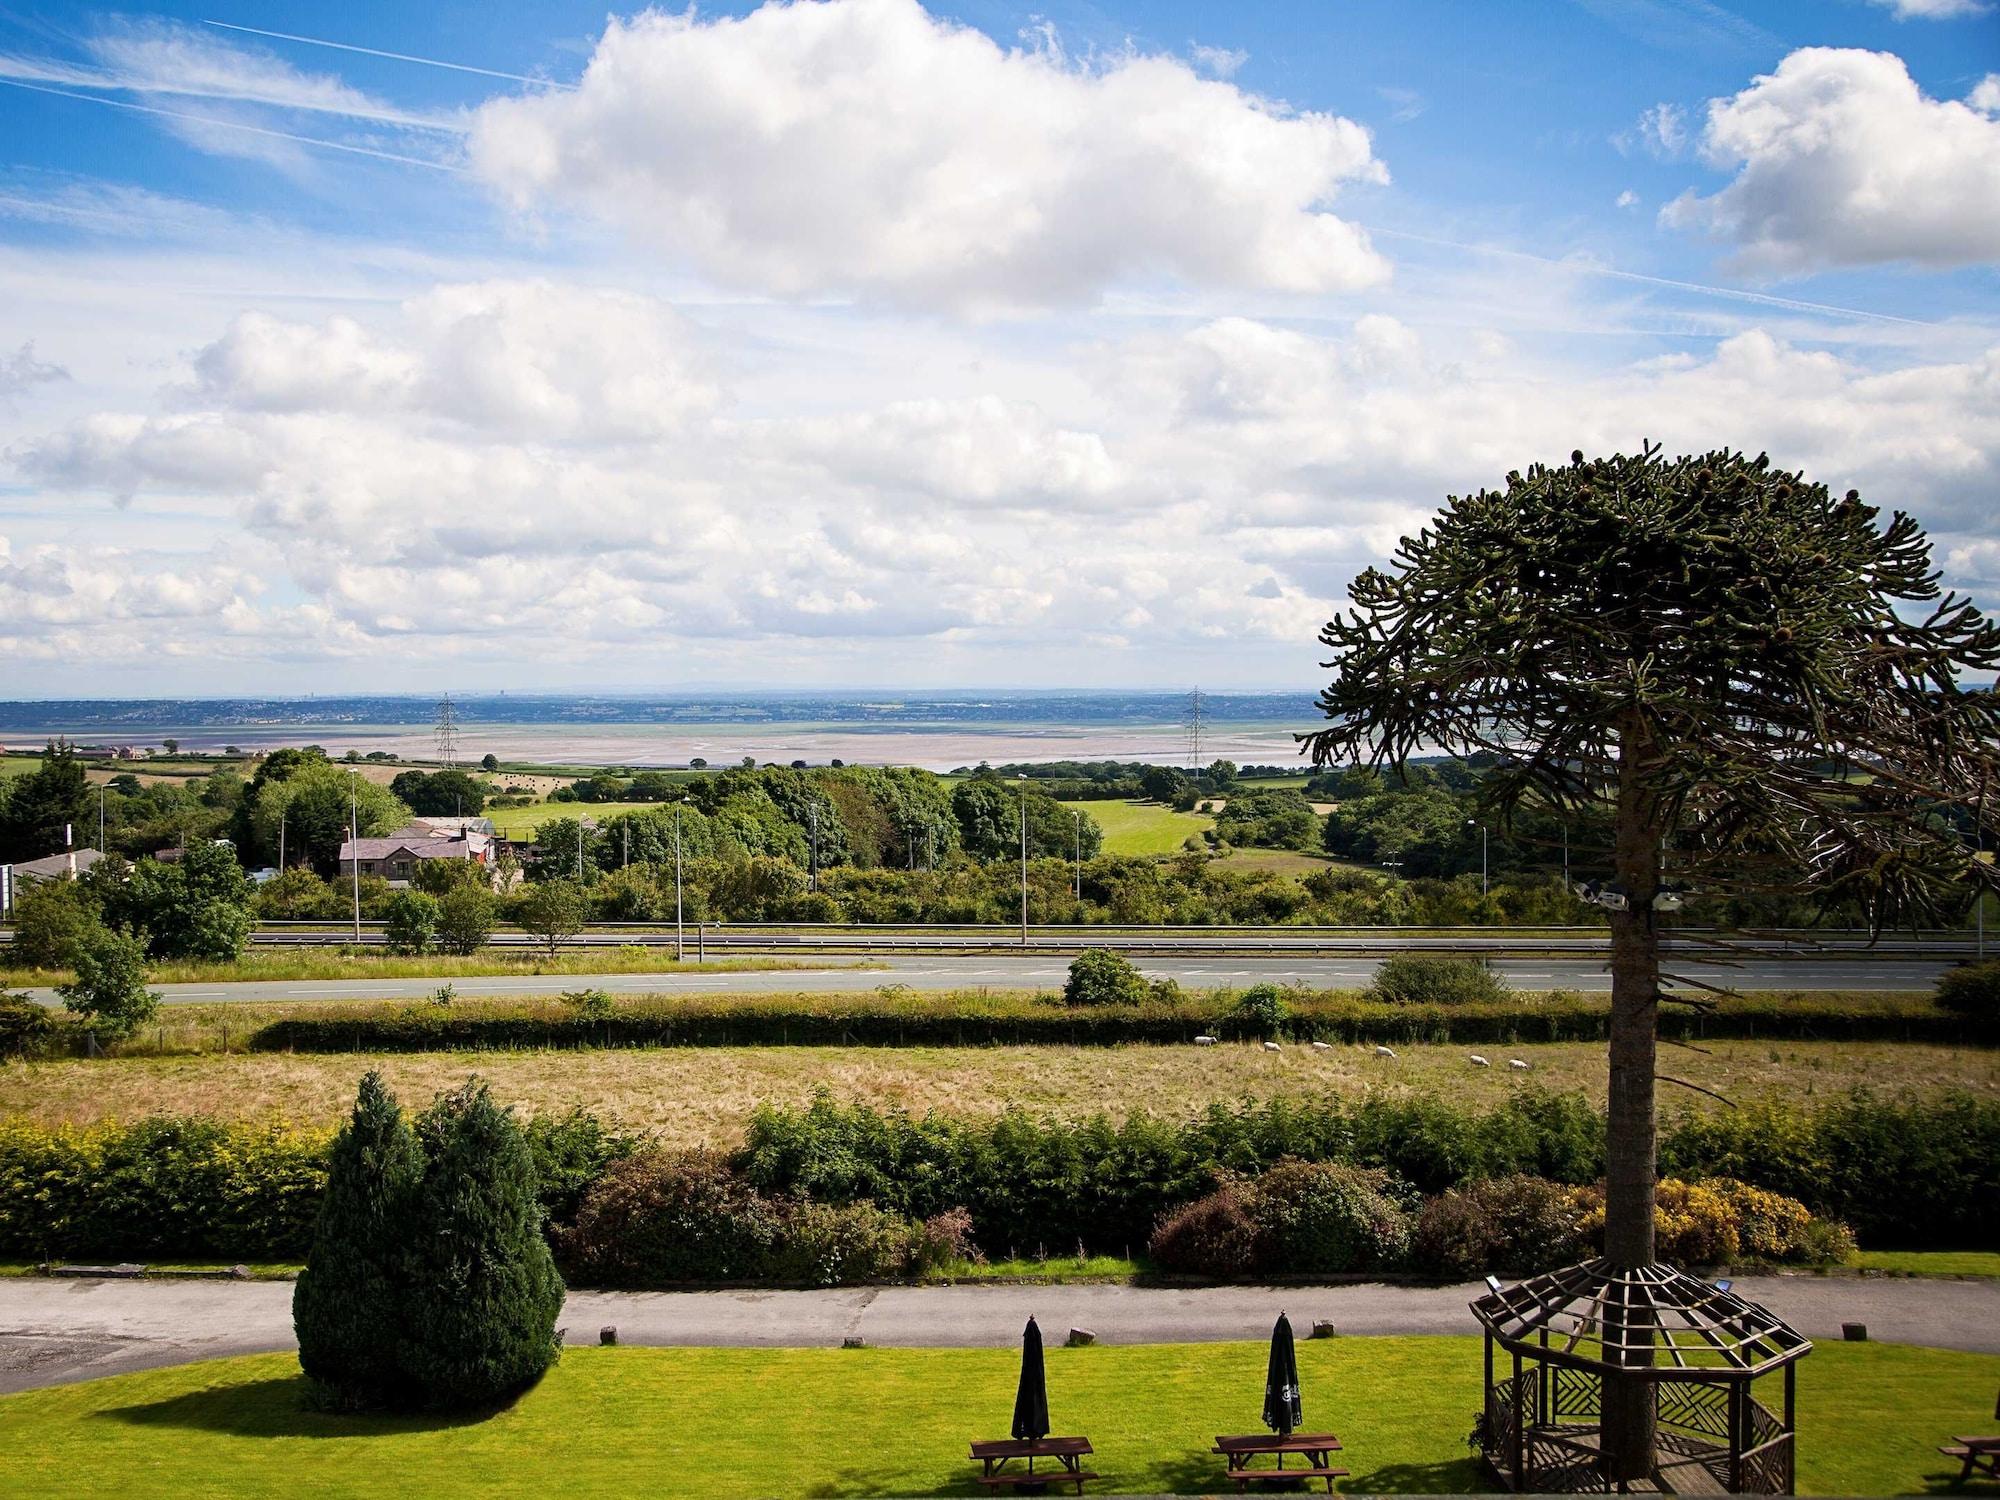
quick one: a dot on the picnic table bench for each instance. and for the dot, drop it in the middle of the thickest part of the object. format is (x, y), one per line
(1976, 1455)
(1068, 1452)
(1315, 1446)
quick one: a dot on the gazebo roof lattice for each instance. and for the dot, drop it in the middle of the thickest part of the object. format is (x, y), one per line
(1656, 1323)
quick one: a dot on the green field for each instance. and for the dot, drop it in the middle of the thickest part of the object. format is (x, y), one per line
(519, 822)
(1142, 827)
(832, 1422)
(1931, 1262)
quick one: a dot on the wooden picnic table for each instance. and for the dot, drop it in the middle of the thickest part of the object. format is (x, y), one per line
(1979, 1455)
(1068, 1452)
(1315, 1446)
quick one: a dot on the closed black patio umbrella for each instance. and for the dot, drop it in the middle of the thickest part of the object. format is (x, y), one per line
(1281, 1381)
(1031, 1401)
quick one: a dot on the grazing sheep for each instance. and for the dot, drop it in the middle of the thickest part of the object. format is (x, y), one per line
(1272, 1047)
(1515, 1062)
(1204, 1041)
(1322, 1046)
(1384, 1052)
(1479, 1062)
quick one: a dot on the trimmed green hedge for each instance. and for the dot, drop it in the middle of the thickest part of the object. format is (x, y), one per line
(896, 1019)
(1922, 1173)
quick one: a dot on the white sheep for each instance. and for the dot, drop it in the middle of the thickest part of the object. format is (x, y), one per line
(1479, 1062)
(1515, 1062)
(1384, 1052)
(1204, 1041)
(1272, 1047)
(1322, 1046)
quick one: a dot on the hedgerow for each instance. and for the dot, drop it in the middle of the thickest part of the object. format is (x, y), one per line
(1900, 1172)
(895, 1017)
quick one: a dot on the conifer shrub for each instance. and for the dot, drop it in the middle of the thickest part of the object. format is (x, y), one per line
(347, 1306)
(480, 1292)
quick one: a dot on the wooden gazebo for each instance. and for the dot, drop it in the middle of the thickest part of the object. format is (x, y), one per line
(1551, 1341)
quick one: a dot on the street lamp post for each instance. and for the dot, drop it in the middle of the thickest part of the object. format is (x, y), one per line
(680, 939)
(354, 848)
(1024, 861)
(1077, 813)
(1475, 823)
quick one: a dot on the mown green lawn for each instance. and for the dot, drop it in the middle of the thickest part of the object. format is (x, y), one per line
(519, 822)
(828, 1422)
(1143, 827)
(1931, 1262)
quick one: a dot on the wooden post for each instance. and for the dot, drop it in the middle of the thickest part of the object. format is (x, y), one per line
(1739, 1392)
(1791, 1428)
(1520, 1430)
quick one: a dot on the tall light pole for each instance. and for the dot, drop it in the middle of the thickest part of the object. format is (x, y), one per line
(1475, 823)
(812, 867)
(100, 816)
(1024, 861)
(354, 847)
(680, 937)
(1077, 813)
(282, 813)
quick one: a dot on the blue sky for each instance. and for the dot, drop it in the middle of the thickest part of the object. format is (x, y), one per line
(859, 342)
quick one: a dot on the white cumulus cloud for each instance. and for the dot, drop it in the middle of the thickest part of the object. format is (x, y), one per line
(1842, 160)
(1933, 10)
(863, 148)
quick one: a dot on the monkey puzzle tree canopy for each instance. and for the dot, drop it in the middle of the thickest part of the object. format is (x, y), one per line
(1758, 681)
(1733, 633)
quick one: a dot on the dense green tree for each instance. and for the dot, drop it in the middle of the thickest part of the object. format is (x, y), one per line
(52, 919)
(465, 919)
(109, 991)
(410, 922)
(554, 911)
(489, 762)
(198, 906)
(54, 797)
(440, 794)
(313, 800)
(347, 1308)
(1724, 660)
(481, 1295)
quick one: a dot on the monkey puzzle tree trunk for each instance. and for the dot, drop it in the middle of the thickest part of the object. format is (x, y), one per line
(1630, 1127)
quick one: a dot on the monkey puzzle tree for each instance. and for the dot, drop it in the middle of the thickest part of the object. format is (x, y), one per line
(1756, 681)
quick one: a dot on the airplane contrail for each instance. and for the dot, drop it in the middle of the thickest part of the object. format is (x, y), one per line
(283, 135)
(1584, 268)
(429, 62)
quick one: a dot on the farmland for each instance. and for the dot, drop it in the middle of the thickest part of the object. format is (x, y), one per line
(1142, 828)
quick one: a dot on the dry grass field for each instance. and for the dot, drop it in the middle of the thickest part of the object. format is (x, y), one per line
(689, 1095)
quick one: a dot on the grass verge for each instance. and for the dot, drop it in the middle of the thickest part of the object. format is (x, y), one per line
(704, 1095)
(331, 963)
(825, 1422)
(1931, 1262)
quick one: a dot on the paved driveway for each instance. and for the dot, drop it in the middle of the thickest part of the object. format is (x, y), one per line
(55, 1331)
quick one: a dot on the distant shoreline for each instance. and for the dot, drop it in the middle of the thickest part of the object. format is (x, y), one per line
(939, 732)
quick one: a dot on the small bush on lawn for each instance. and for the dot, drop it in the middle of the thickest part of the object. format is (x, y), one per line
(1971, 990)
(1098, 976)
(1215, 1235)
(1517, 1224)
(26, 1028)
(1432, 979)
(1260, 1011)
